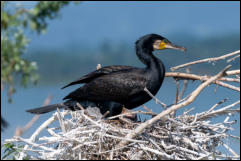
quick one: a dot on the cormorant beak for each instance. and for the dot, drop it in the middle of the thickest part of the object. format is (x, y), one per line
(173, 46)
(165, 44)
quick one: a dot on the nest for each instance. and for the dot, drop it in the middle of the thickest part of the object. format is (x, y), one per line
(84, 134)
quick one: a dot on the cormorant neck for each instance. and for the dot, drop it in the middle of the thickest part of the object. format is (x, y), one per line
(145, 55)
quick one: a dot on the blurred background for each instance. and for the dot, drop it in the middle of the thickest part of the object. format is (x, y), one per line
(85, 34)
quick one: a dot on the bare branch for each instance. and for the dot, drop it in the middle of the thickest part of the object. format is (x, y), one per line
(232, 59)
(156, 100)
(203, 78)
(194, 94)
(20, 131)
(206, 60)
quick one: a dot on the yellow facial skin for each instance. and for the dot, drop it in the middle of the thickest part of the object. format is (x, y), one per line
(159, 45)
(162, 45)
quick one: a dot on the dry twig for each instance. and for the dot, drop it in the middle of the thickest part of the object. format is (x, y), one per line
(206, 60)
(194, 94)
(20, 131)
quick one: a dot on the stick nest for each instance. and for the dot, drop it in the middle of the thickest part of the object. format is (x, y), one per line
(85, 135)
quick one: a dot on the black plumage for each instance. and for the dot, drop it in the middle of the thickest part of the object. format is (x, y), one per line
(112, 87)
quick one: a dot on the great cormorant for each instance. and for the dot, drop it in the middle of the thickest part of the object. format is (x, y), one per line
(112, 87)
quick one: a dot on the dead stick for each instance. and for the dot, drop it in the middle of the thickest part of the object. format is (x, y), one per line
(193, 96)
(203, 78)
(198, 77)
(20, 131)
(206, 60)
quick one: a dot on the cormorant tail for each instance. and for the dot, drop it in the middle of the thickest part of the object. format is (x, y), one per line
(46, 109)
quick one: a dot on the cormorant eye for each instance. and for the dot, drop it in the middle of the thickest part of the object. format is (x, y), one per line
(165, 40)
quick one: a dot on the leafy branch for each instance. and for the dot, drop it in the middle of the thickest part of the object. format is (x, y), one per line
(14, 42)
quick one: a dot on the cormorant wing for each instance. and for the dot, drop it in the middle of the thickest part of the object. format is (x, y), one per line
(119, 86)
(102, 71)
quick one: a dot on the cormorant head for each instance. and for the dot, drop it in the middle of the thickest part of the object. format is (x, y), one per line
(157, 42)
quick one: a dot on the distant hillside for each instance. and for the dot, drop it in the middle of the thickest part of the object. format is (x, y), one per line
(69, 63)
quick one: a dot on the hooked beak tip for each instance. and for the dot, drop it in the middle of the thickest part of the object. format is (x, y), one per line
(183, 49)
(172, 46)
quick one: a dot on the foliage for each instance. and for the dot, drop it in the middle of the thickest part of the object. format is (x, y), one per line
(11, 151)
(14, 23)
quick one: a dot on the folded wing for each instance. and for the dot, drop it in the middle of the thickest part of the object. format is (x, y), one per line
(97, 73)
